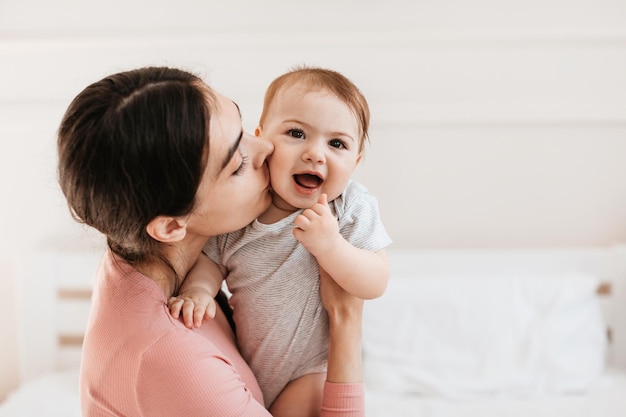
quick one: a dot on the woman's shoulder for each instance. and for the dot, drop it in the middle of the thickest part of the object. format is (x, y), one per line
(207, 354)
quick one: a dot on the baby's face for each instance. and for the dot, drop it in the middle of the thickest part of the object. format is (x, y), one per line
(316, 140)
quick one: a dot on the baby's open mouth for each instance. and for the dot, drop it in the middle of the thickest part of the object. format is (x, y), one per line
(307, 180)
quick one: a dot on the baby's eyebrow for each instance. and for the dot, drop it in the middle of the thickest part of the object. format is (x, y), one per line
(344, 135)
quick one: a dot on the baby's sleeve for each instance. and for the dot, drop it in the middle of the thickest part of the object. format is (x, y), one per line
(359, 218)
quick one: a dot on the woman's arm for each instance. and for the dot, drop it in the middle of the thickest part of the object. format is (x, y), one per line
(344, 391)
(197, 373)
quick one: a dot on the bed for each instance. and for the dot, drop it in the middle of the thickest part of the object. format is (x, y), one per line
(458, 333)
(499, 333)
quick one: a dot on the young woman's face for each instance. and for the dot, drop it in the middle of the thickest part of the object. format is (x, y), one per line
(316, 140)
(235, 187)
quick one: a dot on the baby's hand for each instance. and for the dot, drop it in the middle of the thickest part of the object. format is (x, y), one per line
(196, 306)
(316, 228)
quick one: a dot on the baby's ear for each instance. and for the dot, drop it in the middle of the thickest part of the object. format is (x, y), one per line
(257, 132)
(359, 158)
(167, 229)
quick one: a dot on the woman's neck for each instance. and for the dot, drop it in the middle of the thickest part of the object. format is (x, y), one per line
(181, 257)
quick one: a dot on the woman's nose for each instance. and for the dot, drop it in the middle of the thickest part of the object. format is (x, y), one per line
(262, 148)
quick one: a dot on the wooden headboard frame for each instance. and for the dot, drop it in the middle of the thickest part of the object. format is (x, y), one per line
(73, 339)
(54, 288)
(56, 291)
(612, 297)
(605, 292)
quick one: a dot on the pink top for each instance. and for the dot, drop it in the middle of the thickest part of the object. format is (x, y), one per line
(139, 361)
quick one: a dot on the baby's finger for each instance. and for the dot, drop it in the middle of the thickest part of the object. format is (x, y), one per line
(210, 310)
(188, 314)
(198, 315)
(175, 304)
(302, 221)
(322, 206)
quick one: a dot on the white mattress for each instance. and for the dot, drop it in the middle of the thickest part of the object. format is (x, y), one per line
(608, 399)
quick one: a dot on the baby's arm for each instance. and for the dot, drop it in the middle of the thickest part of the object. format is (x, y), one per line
(360, 272)
(196, 298)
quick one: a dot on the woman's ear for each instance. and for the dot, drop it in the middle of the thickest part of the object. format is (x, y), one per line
(167, 229)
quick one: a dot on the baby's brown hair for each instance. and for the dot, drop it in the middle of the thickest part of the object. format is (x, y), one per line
(315, 79)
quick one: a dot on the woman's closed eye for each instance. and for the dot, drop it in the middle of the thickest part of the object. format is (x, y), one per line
(243, 165)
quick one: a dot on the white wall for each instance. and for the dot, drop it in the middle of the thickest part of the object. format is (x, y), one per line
(495, 123)
(9, 369)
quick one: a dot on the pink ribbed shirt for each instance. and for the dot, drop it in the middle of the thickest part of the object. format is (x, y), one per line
(139, 361)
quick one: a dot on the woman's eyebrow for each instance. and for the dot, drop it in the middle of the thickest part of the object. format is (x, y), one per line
(232, 150)
(238, 109)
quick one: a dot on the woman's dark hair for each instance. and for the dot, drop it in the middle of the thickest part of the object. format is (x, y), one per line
(131, 147)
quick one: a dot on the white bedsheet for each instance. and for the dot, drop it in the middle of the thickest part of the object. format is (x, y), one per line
(607, 399)
(49, 395)
(56, 395)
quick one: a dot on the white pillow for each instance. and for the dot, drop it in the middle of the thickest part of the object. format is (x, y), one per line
(469, 336)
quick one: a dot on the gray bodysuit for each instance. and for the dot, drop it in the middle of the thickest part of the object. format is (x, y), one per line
(282, 327)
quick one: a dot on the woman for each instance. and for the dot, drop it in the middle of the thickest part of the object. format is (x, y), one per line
(158, 162)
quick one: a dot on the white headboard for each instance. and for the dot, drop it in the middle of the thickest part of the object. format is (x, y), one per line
(54, 290)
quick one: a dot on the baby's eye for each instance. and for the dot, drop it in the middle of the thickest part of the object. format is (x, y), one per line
(336, 143)
(296, 133)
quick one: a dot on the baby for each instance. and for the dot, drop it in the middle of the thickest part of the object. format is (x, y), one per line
(320, 221)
